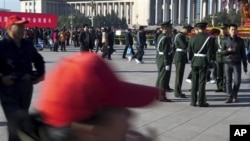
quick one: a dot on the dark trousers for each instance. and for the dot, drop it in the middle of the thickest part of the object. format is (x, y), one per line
(180, 67)
(199, 79)
(125, 51)
(221, 79)
(63, 46)
(140, 53)
(107, 51)
(56, 45)
(232, 70)
(13, 99)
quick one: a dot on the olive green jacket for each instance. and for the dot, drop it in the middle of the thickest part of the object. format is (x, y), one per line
(180, 42)
(163, 49)
(195, 44)
(218, 48)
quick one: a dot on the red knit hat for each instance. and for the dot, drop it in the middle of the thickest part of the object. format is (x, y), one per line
(15, 20)
(82, 85)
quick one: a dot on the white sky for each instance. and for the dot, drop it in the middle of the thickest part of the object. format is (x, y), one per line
(13, 5)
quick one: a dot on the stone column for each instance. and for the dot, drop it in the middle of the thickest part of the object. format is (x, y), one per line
(219, 6)
(156, 11)
(201, 10)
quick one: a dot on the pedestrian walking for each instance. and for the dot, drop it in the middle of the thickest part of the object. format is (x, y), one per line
(233, 50)
(17, 75)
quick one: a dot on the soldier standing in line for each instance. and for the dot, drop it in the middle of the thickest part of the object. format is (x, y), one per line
(180, 58)
(163, 60)
(200, 46)
(221, 79)
(234, 51)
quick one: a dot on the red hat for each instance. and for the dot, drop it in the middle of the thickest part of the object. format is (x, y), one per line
(82, 85)
(15, 20)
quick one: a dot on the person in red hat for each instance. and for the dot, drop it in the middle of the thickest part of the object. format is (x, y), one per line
(78, 89)
(17, 58)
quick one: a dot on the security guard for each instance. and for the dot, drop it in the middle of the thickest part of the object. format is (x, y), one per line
(221, 79)
(180, 58)
(163, 59)
(200, 46)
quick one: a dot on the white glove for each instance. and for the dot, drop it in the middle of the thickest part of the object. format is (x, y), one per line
(167, 68)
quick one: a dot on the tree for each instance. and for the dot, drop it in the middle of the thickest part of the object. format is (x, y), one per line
(110, 20)
(223, 17)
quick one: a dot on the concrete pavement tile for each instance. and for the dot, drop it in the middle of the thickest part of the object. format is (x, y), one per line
(219, 132)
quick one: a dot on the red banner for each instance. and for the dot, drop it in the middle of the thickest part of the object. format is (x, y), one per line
(35, 19)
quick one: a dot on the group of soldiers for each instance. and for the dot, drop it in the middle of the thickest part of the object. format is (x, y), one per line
(221, 49)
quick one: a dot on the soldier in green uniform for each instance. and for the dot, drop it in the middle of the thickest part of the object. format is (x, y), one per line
(200, 46)
(221, 79)
(180, 58)
(163, 59)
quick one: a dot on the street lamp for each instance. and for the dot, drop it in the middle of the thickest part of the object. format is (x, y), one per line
(92, 13)
(212, 19)
(136, 20)
(71, 17)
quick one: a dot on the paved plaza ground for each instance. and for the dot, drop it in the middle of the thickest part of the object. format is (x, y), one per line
(176, 121)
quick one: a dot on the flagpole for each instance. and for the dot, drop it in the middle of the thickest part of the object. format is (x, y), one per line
(34, 6)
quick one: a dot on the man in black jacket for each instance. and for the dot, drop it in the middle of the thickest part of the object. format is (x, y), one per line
(128, 43)
(17, 58)
(234, 51)
(85, 40)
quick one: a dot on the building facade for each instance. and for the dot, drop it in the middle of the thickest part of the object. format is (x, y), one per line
(136, 12)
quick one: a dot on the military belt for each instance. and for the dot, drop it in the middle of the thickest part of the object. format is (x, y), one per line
(161, 53)
(200, 55)
(180, 50)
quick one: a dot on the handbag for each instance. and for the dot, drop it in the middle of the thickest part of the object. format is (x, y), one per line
(129, 50)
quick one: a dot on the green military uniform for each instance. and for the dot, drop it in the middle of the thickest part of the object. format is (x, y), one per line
(163, 59)
(180, 60)
(200, 63)
(220, 64)
(221, 79)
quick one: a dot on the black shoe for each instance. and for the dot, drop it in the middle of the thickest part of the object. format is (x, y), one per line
(219, 90)
(165, 100)
(192, 104)
(169, 90)
(228, 100)
(124, 57)
(181, 96)
(204, 105)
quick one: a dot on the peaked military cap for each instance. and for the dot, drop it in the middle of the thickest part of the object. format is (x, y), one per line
(188, 27)
(166, 24)
(201, 25)
(223, 26)
(215, 31)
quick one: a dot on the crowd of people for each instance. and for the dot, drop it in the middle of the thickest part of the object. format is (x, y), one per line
(89, 101)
